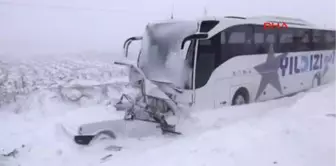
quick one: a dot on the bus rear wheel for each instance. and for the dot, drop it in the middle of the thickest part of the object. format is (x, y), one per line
(241, 97)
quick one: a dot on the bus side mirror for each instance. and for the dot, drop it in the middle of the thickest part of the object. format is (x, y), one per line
(128, 42)
(194, 36)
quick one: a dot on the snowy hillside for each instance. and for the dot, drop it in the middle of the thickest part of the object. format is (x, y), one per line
(293, 131)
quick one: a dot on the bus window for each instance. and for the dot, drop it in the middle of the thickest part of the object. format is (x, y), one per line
(271, 38)
(190, 64)
(329, 39)
(263, 38)
(301, 40)
(223, 38)
(334, 43)
(206, 26)
(259, 40)
(286, 40)
(318, 40)
(207, 59)
(238, 41)
(237, 38)
(191, 54)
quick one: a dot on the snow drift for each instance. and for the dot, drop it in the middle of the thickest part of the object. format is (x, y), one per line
(292, 131)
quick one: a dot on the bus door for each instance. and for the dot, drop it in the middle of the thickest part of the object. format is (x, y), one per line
(208, 52)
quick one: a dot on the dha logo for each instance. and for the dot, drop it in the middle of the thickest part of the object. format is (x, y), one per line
(273, 25)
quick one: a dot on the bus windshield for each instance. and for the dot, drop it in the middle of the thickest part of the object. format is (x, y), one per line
(160, 57)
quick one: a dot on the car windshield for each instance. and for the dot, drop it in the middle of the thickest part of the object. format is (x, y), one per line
(160, 57)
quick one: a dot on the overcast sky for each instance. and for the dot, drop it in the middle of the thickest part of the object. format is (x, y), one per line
(31, 27)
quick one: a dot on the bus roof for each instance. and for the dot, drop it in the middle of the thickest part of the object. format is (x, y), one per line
(290, 21)
(228, 21)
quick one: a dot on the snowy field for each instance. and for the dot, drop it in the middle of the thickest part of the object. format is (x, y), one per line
(42, 94)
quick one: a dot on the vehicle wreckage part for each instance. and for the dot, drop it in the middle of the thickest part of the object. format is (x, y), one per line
(152, 104)
(87, 139)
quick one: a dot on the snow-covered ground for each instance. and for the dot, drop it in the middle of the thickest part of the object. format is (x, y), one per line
(41, 95)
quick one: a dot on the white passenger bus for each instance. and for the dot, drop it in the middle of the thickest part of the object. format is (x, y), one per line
(216, 62)
(235, 60)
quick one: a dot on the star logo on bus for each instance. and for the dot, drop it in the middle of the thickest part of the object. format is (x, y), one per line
(269, 72)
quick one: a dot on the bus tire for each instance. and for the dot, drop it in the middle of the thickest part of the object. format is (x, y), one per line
(240, 97)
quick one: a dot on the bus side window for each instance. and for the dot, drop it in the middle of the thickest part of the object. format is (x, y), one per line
(263, 38)
(238, 41)
(259, 40)
(206, 26)
(329, 37)
(271, 38)
(334, 43)
(286, 40)
(301, 40)
(318, 40)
